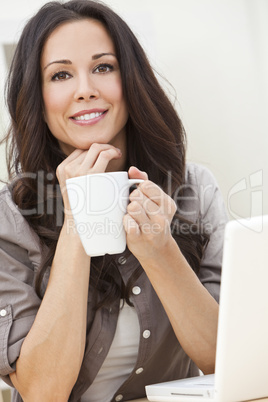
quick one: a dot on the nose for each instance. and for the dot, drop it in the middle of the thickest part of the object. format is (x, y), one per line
(85, 88)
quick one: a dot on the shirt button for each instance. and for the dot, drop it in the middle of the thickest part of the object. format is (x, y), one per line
(139, 370)
(146, 334)
(122, 260)
(136, 290)
(3, 313)
(100, 350)
(119, 398)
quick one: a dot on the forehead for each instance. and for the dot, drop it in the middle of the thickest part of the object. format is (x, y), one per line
(82, 36)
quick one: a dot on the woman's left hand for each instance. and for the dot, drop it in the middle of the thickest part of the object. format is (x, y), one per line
(192, 311)
(148, 218)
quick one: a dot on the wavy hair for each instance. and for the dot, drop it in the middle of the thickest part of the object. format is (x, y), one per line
(155, 135)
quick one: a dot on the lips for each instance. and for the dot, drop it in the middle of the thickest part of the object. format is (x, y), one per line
(86, 116)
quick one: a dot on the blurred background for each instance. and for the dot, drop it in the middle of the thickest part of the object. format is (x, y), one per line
(213, 55)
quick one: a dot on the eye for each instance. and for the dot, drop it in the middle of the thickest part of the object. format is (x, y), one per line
(104, 68)
(60, 76)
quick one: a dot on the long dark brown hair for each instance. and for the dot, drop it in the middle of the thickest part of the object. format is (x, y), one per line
(155, 136)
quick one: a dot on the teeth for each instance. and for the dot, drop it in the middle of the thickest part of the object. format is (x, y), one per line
(88, 116)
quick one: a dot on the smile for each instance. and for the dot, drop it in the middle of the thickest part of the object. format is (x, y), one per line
(87, 116)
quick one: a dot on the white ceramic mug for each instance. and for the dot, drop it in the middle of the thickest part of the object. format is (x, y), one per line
(99, 203)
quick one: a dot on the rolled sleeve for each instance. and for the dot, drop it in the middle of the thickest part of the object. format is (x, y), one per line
(19, 299)
(5, 325)
(19, 303)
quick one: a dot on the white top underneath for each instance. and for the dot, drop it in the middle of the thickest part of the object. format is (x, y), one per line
(120, 360)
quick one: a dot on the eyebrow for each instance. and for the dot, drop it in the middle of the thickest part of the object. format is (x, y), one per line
(99, 55)
(68, 62)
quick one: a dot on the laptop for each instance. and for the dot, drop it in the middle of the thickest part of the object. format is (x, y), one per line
(241, 371)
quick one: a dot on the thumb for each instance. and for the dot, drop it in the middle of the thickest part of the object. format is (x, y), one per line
(135, 173)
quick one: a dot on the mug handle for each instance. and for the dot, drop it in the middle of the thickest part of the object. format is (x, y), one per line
(134, 181)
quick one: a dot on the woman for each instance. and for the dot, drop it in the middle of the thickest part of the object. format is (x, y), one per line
(83, 99)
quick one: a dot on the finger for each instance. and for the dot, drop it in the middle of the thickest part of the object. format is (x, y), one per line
(146, 226)
(135, 173)
(131, 226)
(149, 206)
(73, 156)
(136, 211)
(152, 191)
(89, 155)
(99, 155)
(74, 167)
(88, 162)
(104, 158)
(157, 195)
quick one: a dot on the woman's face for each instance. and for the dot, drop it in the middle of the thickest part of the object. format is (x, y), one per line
(81, 87)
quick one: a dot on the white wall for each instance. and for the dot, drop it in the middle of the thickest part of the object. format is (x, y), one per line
(215, 55)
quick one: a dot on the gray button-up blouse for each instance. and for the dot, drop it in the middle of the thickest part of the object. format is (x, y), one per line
(160, 355)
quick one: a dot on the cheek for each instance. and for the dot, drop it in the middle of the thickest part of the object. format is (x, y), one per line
(114, 91)
(122, 106)
(54, 102)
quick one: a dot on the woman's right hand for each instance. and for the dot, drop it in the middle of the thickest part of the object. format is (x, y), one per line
(64, 306)
(82, 162)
